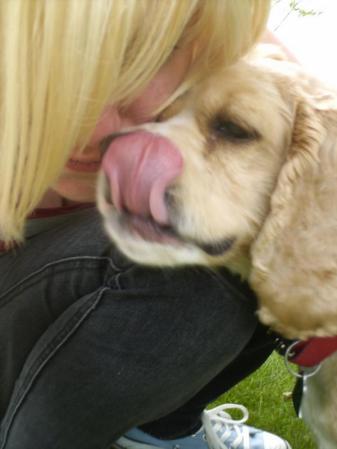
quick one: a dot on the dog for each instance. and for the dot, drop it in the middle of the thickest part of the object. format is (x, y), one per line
(241, 171)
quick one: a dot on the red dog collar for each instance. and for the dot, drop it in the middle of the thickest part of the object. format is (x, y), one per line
(313, 351)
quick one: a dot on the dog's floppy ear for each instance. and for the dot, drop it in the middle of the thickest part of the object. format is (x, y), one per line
(295, 255)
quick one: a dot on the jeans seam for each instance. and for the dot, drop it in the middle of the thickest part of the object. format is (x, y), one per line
(60, 339)
(117, 280)
(52, 264)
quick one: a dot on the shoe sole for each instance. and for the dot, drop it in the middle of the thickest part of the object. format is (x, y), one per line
(129, 444)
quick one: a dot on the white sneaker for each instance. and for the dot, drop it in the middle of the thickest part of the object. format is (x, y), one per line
(219, 431)
(222, 432)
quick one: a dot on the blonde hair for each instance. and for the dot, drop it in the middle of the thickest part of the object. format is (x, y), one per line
(63, 61)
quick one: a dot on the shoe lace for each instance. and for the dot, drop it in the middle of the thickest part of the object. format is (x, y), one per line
(220, 428)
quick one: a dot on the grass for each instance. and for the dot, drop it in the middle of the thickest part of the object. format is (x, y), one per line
(266, 395)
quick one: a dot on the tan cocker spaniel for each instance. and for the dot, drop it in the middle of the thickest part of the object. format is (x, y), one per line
(242, 172)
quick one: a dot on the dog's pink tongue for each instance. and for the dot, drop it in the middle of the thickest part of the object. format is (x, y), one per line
(140, 166)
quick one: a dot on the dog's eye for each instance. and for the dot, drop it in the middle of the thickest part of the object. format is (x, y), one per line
(227, 129)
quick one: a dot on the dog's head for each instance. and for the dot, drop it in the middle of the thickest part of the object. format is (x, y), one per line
(238, 172)
(211, 163)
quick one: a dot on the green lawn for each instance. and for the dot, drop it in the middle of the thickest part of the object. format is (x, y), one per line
(269, 407)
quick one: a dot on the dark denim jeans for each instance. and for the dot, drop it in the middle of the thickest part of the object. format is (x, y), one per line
(92, 345)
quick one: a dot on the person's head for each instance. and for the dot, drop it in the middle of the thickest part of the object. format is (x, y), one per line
(63, 62)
